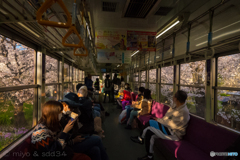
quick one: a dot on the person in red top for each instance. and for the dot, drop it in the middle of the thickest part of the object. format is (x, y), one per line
(127, 96)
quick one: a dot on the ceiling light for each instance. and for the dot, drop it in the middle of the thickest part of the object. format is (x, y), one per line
(89, 32)
(134, 53)
(28, 29)
(168, 29)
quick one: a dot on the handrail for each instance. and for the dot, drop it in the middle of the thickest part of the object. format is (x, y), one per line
(71, 30)
(82, 55)
(47, 4)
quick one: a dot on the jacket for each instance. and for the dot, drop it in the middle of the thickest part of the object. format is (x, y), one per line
(86, 118)
(45, 141)
(145, 107)
(176, 120)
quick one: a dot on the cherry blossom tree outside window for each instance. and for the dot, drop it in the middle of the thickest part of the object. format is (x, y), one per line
(166, 95)
(143, 76)
(51, 70)
(16, 107)
(167, 75)
(66, 72)
(227, 111)
(152, 75)
(193, 74)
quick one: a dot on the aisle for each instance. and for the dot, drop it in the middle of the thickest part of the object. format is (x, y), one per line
(117, 141)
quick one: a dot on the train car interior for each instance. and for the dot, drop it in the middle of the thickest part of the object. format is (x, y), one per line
(120, 79)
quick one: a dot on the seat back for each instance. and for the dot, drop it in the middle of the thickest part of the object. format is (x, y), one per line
(22, 152)
(159, 109)
(208, 137)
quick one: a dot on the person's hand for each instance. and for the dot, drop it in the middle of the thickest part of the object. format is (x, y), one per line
(69, 126)
(155, 118)
(78, 139)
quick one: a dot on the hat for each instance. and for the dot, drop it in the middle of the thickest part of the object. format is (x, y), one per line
(71, 99)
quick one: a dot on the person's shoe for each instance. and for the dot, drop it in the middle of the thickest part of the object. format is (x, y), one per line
(136, 139)
(128, 127)
(145, 158)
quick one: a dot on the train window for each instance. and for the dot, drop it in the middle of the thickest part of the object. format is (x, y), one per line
(199, 33)
(135, 79)
(193, 73)
(152, 57)
(16, 107)
(136, 86)
(167, 75)
(51, 92)
(16, 115)
(196, 100)
(166, 95)
(152, 75)
(51, 70)
(80, 75)
(152, 87)
(16, 63)
(168, 46)
(83, 75)
(227, 101)
(159, 51)
(143, 85)
(66, 72)
(180, 43)
(229, 71)
(143, 76)
(71, 74)
(74, 74)
(228, 28)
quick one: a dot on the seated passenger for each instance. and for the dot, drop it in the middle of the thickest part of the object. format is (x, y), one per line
(86, 117)
(135, 104)
(142, 108)
(172, 126)
(127, 96)
(49, 136)
(76, 141)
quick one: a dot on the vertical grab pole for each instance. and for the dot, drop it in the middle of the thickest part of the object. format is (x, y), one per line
(208, 87)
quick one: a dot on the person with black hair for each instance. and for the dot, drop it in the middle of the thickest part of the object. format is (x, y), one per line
(107, 88)
(143, 108)
(172, 126)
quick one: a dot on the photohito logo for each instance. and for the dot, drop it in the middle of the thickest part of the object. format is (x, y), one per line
(212, 153)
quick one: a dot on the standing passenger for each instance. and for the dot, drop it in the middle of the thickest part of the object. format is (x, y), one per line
(108, 87)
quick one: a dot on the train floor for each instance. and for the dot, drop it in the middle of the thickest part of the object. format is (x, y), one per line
(117, 141)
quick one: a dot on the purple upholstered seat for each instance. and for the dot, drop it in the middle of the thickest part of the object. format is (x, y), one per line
(158, 110)
(201, 138)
